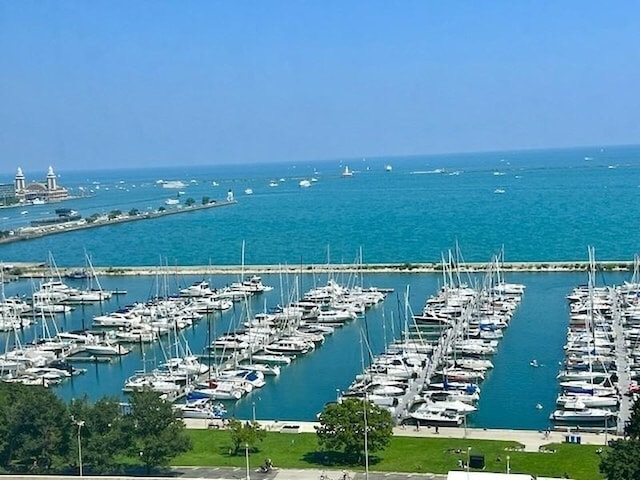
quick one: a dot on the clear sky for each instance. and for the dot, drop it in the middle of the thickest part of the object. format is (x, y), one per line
(102, 84)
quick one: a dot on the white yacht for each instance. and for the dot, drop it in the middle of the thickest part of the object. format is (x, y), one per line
(578, 412)
(197, 289)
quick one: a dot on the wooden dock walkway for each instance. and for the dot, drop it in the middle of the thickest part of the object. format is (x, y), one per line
(622, 366)
(438, 357)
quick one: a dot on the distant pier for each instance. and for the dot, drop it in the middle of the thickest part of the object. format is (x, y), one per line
(29, 233)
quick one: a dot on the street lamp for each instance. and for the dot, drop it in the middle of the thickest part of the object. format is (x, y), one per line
(508, 465)
(365, 405)
(468, 459)
(80, 424)
(253, 407)
(246, 454)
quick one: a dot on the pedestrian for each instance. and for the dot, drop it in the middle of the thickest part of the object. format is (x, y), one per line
(437, 429)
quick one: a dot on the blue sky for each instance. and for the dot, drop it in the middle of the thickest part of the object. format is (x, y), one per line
(106, 84)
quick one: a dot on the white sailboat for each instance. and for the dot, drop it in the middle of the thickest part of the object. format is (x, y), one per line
(346, 172)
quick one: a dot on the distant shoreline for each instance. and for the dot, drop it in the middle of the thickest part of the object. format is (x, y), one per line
(27, 270)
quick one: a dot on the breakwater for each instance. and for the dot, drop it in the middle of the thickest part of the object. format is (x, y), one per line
(30, 233)
(37, 270)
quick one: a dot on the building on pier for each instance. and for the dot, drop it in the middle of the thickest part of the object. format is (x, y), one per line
(39, 192)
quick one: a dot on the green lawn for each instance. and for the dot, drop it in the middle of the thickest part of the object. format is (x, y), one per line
(404, 454)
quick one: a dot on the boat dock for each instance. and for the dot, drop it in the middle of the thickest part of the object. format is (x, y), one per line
(622, 366)
(89, 359)
(438, 358)
(596, 381)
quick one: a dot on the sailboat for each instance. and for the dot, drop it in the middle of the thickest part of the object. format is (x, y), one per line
(587, 396)
(93, 292)
(346, 172)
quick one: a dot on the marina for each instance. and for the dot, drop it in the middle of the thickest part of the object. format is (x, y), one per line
(390, 325)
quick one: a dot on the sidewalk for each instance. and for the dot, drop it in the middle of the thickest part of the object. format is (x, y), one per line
(531, 439)
(294, 474)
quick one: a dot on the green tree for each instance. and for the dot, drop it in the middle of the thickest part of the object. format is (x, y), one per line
(632, 427)
(102, 433)
(342, 428)
(35, 429)
(114, 214)
(92, 218)
(247, 433)
(619, 461)
(205, 200)
(189, 202)
(157, 435)
(134, 212)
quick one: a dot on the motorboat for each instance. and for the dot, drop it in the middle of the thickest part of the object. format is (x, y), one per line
(200, 408)
(218, 390)
(265, 369)
(590, 401)
(197, 289)
(427, 415)
(273, 358)
(578, 412)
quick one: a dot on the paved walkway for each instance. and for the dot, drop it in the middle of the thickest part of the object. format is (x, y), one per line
(531, 440)
(296, 474)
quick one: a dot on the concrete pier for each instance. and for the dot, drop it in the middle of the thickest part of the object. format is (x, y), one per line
(622, 366)
(29, 233)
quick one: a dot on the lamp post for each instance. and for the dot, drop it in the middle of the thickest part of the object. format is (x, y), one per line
(253, 408)
(464, 419)
(468, 459)
(508, 465)
(365, 404)
(80, 424)
(246, 454)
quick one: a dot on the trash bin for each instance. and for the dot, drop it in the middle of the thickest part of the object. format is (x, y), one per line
(476, 461)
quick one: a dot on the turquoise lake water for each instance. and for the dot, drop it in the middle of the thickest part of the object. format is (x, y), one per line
(555, 203)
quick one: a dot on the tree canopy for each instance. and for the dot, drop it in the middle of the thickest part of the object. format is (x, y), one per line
(39, 433)
(342, 427)
(35, 429)
(245, 433)
(157, 435)
(620, 460)
(101, 431)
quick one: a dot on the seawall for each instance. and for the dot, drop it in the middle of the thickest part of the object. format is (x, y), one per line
(30, 269)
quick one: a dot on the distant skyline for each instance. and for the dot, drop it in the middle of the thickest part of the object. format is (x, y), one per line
(114, 84)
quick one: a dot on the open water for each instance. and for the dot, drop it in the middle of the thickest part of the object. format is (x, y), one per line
(538, 206)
